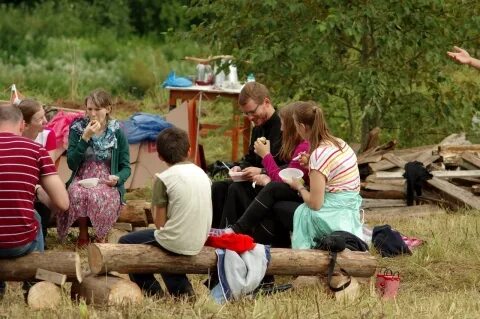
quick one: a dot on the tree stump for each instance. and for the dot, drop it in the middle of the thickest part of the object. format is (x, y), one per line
(106, 290)
(44, 295)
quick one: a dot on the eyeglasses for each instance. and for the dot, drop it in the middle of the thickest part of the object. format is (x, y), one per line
(250, 113)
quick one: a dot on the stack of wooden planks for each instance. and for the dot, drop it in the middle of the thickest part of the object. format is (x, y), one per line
(454, 164)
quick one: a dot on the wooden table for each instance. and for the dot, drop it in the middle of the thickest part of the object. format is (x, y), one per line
(200, 93)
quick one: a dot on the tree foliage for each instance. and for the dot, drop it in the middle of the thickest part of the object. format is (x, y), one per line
(368, 62)
(24, 22)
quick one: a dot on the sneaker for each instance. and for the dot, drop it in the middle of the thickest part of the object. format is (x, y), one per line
(216, 232)
(269, 289)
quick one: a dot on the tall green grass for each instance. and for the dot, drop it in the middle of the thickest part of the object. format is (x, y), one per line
(133, 69)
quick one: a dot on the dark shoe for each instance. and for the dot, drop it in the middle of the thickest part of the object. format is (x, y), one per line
(26, 288)
(270, 289)
(3, 287)
(154, 290)
(188, 294)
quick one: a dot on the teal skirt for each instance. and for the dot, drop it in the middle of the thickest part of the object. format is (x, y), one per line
(340, 211)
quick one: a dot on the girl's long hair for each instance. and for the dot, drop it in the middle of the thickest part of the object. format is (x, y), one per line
(290, 136)
(311, 115)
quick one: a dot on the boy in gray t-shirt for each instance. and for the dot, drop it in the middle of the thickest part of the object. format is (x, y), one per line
(181, 204)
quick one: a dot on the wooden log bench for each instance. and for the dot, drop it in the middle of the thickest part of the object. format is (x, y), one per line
(25, 267)
(104, 258)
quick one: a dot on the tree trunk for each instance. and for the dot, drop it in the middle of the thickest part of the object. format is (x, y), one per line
(369, 122)
(149, 259)
(106, 290)
(25, 268)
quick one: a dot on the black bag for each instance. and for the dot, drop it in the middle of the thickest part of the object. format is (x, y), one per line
(389, 242)
(337, 242)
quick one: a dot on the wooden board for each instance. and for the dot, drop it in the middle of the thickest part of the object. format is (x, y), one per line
(439, 174)
(383, 187)
(472, 159)
(455, 193)
(373, 203)
(457, 149)
(390, 194)
(51, 276)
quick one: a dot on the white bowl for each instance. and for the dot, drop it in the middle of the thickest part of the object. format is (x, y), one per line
(287, 174)
(89, 182)
(237, 176)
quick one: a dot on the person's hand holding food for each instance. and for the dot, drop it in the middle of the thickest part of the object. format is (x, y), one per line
(236, 169)
(262, 147)
(93, 127)
(251, 171)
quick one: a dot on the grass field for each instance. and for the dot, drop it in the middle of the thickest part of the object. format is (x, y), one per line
(440, 280)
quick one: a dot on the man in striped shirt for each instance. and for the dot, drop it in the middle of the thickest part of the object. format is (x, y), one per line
(23, 165)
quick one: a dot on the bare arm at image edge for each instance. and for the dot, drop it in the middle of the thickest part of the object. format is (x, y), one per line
(461, 56)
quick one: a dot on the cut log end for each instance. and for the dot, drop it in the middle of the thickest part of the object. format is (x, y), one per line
(107, 290)
(124, 292)
(95, 259)
(44, 295)
(78, 268)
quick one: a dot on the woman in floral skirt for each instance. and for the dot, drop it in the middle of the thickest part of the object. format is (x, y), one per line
(97, 148)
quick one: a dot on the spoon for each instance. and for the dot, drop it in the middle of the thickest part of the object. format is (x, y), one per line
(225, 165)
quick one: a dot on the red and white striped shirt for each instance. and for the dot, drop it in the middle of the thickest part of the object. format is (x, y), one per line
(339, 166)
(22, 163)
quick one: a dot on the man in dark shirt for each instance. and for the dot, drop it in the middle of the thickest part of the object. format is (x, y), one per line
(254, 102)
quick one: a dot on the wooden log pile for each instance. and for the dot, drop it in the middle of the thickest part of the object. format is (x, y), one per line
(454, 164)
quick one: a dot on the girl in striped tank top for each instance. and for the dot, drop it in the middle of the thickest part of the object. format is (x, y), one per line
(332, 201)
